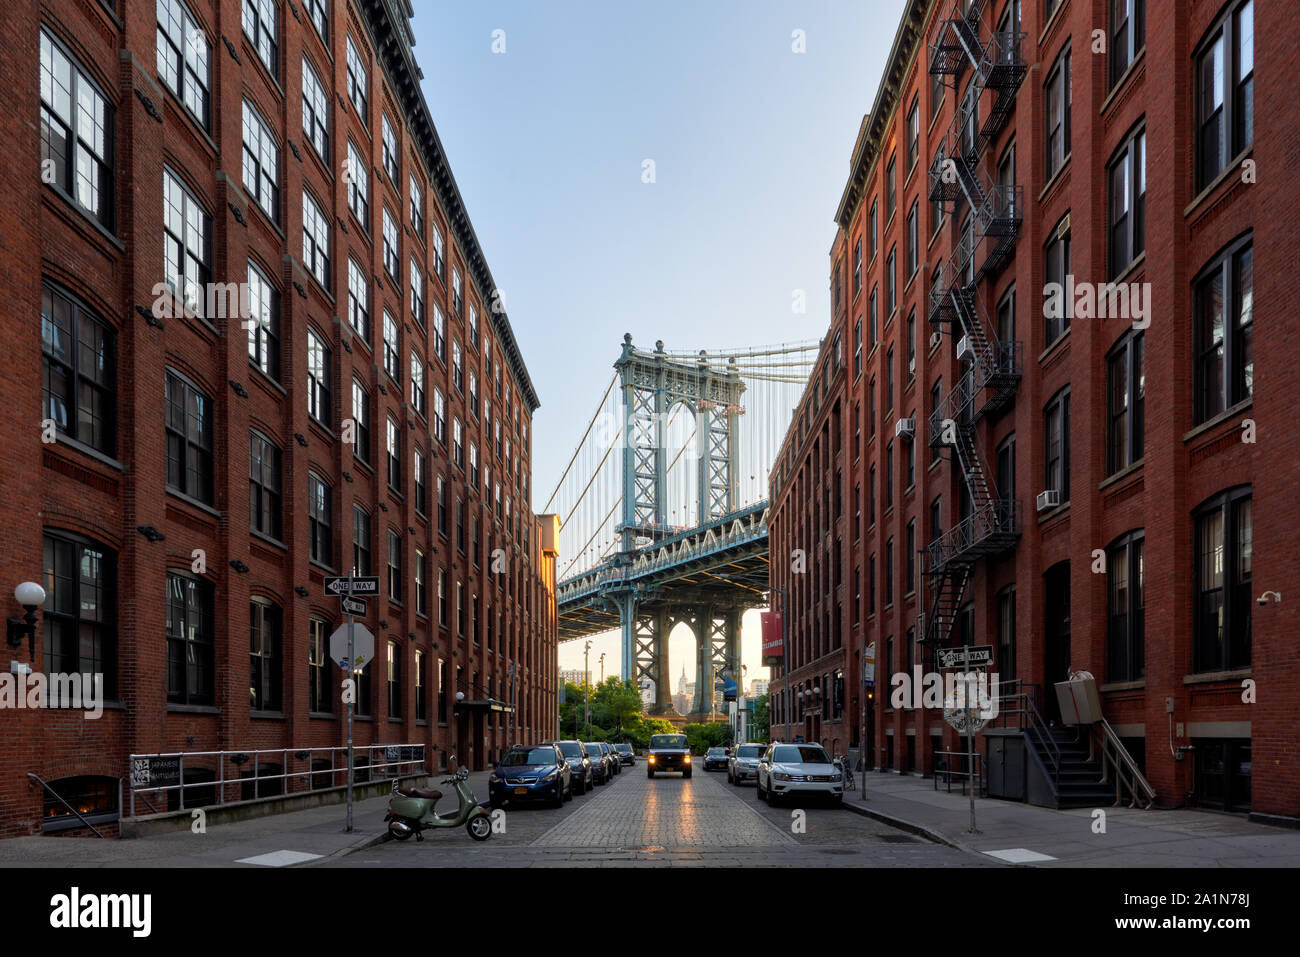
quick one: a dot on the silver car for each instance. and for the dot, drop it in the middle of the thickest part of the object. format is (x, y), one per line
(742, 765)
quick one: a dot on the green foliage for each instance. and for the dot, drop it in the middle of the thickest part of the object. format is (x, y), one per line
(701, 737)
(761, 718)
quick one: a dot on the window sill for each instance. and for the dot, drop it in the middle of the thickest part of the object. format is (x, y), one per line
(194, 502)
(268, 539)
(1053, 512)
(1208, 677)
(1138, 685)
(174, 708)
(85, 216)
(1057, 344)
(1231, 171)
(1122, 83)
(101, 457)
(322, 566)
(1133, 266)
(322, 716)
(267, 715)
(1121, 474)
(263, 378)
(1056, 177)
(1224, 416)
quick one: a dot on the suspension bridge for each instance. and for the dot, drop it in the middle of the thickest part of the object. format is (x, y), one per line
(663, 505)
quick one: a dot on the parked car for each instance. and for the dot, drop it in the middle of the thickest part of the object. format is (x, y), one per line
(715, 759)
(614, 762)
(668, 752)
(575, 753)
(743, 762)
(625, 753)
(600, 770)
(787, 769)
(531, 773)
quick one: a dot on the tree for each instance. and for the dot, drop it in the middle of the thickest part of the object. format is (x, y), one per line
(572, 720)
(761, 717)
(701, 737)
(614, 703)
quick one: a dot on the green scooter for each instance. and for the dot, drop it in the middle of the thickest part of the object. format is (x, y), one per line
(411, 810)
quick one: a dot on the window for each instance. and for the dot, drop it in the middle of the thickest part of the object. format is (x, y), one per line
(889, 572)
(1128, 201)
(889, 379)
(264, 469)
(857, 266)
(358, 300)
(914, 133)
(442, 505)
(1225, 92)
(357, 177)
(1057, 96)
(78, 355)
(319, 512)
(189, 439)
(421, 483)
(417, 207)
(1006, 468)
(1125, 626)
(871, 409)
(457, 368)
(457, 442)
(360, 421)
(358, 82)
(392, 251)
(417, 292)
(910, 447)
(318, 378)
(889, 475)
(1224, 297)
(439, 254)
(1126, 397)
(1057, 465)
(874, 312)
(1127, 35)
(318, 10)
(439, 334)
(457, 293)
(260, 28)
(910, 560)
(392, 346)
(873, 222)
(184, 59)
(1006, 317)
(417, 383)
(315, 240)
(871, 586)
(913, 240)
(394, 455)
(442, 598)
(936, 397)
(911, 343)
(1223, 595)
(891, 188)
(320, 698)
(315, 112)
(891, 282)
(389, 138)
(80, 619)
(937, 90)
(76, 133)
(421, 690)
(261, 163)
(263, 323)
(439, 416)
(394, 680)
(189, 639)
(1056, 265)
(187, 245)
(394, 566)
(360, 541)
(265, 660)
(1007, 634)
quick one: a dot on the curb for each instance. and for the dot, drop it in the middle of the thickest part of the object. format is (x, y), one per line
(905, 825)
(360, 844)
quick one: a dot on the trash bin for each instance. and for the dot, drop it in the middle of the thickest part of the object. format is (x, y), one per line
(1080, 703)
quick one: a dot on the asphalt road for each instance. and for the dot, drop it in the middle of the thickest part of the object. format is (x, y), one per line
(668, 822)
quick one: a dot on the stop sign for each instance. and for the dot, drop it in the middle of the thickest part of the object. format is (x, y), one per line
(363, 646)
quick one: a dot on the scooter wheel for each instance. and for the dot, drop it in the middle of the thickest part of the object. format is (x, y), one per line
(479, 827)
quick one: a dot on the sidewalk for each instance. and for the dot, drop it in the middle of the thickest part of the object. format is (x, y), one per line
(291, 838)
(1024, 834)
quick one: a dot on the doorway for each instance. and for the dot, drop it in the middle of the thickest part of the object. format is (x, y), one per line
(1056, 635)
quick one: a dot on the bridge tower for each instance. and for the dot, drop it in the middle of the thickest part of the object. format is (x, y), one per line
(652, 386)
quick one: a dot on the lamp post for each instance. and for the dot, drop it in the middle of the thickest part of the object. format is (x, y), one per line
(586, 686)
(31, 596)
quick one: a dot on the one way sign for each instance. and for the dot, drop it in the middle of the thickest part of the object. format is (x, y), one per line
(352, 586)
(973, 656)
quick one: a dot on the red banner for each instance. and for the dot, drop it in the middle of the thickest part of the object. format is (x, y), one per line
(773, 638)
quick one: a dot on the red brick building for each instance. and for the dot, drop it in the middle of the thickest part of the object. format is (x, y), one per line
(180, 474)
(1021, 153)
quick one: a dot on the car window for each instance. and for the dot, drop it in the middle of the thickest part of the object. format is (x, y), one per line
(749, 753)
(571, 749)
(801, 754)
(668, 741)
(528, 756)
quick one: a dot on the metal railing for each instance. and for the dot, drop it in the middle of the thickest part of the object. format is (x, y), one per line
(163, 773)
(1015, 702)
(1127, 775)
(962, 774)
(59, 797)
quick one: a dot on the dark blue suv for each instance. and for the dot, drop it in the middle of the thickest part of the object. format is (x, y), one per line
(531, 773)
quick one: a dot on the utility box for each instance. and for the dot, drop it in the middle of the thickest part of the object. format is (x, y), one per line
(1079, 700)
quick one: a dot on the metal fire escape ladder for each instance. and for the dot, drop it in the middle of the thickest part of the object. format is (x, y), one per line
(956, 174)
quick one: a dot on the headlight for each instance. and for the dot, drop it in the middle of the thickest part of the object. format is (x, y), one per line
(651, 759)
(551, 776)
(688, 759)
(493, 778)
(782, 776)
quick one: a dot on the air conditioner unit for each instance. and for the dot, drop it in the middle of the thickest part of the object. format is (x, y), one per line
(905, 428)
(1049, 499)
(964, 349)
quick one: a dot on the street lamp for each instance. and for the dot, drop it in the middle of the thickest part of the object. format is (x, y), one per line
(31, 596)
(586, 685)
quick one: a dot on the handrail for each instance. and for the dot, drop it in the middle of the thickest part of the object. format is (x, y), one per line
(1138, 786)
(59, 796)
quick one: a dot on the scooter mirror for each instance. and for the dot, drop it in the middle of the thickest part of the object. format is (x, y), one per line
(451, 764)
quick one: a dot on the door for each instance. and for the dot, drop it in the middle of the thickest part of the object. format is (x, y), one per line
(1056, 635)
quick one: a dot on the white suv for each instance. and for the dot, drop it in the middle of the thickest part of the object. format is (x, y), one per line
(798, 768)
(743, 762)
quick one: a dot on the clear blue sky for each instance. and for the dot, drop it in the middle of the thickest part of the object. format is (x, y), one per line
(751, 144)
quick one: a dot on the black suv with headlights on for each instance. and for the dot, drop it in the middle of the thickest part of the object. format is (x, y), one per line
(668, 752)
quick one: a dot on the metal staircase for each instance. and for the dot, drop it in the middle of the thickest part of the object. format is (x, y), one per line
(993, 368)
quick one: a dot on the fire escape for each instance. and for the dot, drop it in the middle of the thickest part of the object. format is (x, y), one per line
(991, 369)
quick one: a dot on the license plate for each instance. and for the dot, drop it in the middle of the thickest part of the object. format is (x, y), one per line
(521, 790)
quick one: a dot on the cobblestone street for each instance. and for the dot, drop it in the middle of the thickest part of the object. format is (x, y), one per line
(671, 821)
